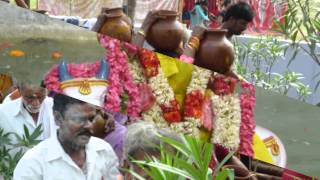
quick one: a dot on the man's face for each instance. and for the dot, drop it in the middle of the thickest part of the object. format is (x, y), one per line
(76, 127)
(238, 26)
(32, 98)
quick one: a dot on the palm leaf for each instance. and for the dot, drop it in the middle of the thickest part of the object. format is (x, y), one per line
(134, 174)
(179, 146)
(26, 132)
(193, 147)
(188, 167)
(4, 138)
(166, 168)
(225, 174)
(223, 162)
(207, 154)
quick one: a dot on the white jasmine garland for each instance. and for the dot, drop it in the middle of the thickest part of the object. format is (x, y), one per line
(188, 127)
(199, 81)
(154, 114)
(161, 88)
(136, 71)
(228, 119)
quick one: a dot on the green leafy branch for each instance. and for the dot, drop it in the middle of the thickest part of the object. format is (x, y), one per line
(11, 153)
(190, 161)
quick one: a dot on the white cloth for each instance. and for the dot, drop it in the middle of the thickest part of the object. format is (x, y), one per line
(13, 116)
(7, 99)
(48, 161)
(77, 20)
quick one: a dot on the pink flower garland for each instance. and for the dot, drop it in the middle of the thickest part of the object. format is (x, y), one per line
(247, 103)
(112, 101)
(119, 73)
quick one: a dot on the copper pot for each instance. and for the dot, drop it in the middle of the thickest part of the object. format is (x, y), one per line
(166, 34)
(117, 25)
(215, 52)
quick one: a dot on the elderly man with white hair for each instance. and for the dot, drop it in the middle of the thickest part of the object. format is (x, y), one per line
(142, 139)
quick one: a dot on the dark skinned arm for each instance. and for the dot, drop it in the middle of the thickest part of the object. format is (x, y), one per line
(198, 32)
(150, 19)
(22, 3)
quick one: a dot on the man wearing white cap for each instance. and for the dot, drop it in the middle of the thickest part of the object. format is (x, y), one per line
(73, 153)
(88, 82)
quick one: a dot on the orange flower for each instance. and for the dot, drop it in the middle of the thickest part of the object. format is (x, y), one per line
(16, 53)
(56, 55)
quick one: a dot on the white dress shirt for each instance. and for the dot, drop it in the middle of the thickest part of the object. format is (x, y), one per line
(13, 116)
(48, 161)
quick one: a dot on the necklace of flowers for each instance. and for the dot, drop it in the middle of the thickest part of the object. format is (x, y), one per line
(228, 123)
(233, 114)
(119, 78)
(154, 113)
(227, 113)
(247, 128)
(165, 98)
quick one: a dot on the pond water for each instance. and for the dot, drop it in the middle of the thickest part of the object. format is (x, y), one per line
(38, 53)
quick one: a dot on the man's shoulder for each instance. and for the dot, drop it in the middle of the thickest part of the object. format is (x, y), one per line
(10, 108)
(38, 150)
(48, 101)
(32, 162)
(99, 144)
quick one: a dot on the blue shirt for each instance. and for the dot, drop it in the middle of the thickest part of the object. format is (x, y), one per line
(198, 17)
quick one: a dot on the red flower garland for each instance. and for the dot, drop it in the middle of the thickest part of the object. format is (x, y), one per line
(194, 104)
(247, 128)
(149, 62)
(120, 78)
(222, 85)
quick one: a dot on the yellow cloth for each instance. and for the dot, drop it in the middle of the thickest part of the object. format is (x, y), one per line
(260, 150)
(179, 75)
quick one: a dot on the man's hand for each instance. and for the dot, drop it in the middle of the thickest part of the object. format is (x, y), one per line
(151, 18)
(22, 3)
(147, 97)
(102, 18)
(198, 31)
(103, 124)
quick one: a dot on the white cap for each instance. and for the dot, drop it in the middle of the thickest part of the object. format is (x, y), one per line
(90, 90)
